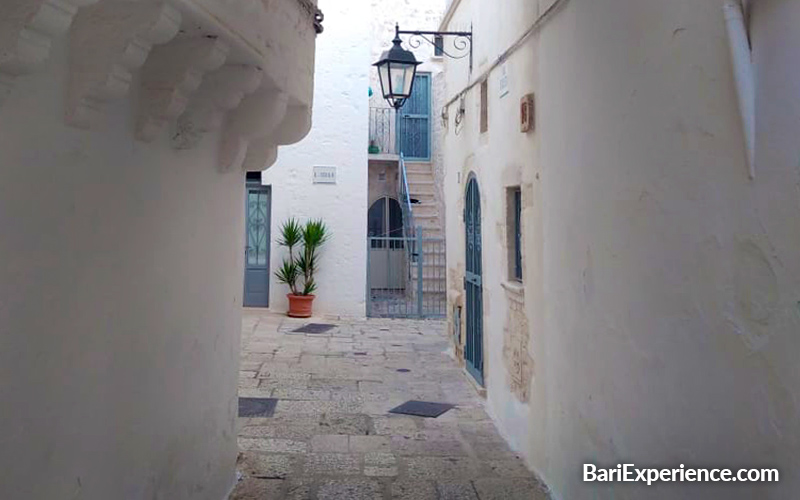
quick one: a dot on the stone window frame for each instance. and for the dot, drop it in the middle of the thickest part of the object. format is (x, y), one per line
(484, 118)
(514, 234)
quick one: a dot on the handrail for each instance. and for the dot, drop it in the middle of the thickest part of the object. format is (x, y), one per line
(405, 196)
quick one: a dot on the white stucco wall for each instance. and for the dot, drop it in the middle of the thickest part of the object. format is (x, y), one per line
(410, 15)
(120, 300)
(662, 284)
(500, 158)
(338, 138)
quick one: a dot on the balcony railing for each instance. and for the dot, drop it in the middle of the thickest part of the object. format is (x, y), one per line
(383, 131)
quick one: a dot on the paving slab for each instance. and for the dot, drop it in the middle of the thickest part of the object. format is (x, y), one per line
(332, 437)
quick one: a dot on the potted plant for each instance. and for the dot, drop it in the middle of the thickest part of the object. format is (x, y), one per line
(373, 148)
(298, 269)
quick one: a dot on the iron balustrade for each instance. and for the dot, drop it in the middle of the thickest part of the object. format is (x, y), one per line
(383, 131)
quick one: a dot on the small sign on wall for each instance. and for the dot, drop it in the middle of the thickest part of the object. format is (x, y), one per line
(324, 175)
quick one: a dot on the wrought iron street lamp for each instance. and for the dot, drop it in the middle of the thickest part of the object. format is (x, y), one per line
(396, 70)
(397, 66)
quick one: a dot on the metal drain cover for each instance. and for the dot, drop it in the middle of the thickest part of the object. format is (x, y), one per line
(422, 409)
(315, 328)
(257, 407)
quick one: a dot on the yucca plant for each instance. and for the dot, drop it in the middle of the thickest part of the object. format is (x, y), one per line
(297, 270)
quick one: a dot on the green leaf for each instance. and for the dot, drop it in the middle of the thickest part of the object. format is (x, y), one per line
(310, 287)
(291, 234)
(304, 263)
(315, 234)
(288, 274)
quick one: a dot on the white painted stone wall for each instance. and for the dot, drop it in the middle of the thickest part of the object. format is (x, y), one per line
(121, 259)
(120, 300)
(661, 283)
(338, 138)
(356, 32)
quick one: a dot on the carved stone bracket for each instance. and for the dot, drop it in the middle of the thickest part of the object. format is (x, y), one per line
(220, 92)
(170, 75)
(296, 125)
(247, 64)
(108, 41)
(246, 140)
(27, 28)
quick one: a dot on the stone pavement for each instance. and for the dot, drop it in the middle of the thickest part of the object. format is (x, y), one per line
(331, 436)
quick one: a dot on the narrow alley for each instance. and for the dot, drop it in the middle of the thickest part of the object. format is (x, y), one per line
(331, 435)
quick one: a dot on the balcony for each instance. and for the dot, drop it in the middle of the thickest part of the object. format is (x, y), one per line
(383, 133)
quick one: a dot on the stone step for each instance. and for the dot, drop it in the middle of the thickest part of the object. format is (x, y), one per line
(432, 247)
(418, 167)
(416, 177)
(422, 198)
(427, 221)
(422, 188)
(425, 210)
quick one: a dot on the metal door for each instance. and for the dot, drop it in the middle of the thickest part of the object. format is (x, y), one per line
(258, 207)
(473, 350)
(386, 257)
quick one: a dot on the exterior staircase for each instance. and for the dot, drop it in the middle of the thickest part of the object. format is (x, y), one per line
(422, 190)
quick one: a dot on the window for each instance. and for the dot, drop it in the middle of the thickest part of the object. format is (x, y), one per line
(438, 45)
(514, 232)
(484, 106)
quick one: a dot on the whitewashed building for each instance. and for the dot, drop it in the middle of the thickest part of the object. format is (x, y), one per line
(346, 171)
(624, 269)
(126, 128)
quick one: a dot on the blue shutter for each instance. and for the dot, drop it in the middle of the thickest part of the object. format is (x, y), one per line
(414, 121)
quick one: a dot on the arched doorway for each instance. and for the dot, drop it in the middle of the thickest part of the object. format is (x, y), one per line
(387, 256)
(385, 219)
(473, 349)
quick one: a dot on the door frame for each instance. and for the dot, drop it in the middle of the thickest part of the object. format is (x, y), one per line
(265, 188)
(474, 313)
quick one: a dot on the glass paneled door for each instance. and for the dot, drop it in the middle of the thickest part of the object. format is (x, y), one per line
(258, 205)
(414, 121)
(473, 282)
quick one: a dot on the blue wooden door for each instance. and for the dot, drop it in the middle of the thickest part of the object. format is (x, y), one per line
(257, 245)
(414, 121)
(473, 282)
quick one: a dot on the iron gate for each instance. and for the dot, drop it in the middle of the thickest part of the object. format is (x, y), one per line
(406, 277)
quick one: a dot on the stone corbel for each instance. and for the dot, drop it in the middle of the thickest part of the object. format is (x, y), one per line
(169, 77)
(220, 92)
(247, 139)
(27, 28)
(261, 154)
(295, 126)
(108, 41)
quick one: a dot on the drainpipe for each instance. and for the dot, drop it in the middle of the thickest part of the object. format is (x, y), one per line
(743, 74)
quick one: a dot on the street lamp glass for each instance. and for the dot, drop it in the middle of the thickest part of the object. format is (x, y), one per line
(396, 70)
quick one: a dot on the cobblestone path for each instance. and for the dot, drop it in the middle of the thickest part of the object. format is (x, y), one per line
(331, 436)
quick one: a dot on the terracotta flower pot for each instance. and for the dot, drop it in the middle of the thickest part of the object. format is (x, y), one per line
(300, 305)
